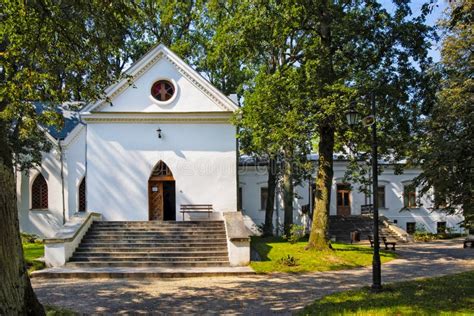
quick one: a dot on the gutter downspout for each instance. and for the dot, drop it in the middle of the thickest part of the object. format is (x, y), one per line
(61, 159)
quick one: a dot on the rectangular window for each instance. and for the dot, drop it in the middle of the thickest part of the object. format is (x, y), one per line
(409, 196)
(411, 227)
(381, 196)
(263, 198)
(441, 227)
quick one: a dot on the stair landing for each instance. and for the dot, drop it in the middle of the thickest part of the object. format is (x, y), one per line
(134, 272)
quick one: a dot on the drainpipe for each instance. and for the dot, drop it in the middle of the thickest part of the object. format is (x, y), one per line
(61, 159)
(277, 226)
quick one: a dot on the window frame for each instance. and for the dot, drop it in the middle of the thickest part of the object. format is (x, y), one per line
(445, 224)
(44, 190)
(409, 195)
(79, 193)
(381, 197)
(409, 230)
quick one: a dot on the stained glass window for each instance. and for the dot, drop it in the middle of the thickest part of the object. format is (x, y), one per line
(162, 90)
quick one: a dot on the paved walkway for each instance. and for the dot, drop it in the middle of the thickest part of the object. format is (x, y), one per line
(261, 294)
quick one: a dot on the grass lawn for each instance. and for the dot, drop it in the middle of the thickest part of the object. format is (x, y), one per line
(448, 295)
(32, 251)
(58, 311)
(344, 256)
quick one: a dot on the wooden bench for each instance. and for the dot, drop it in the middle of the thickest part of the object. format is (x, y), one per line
(196, 208)
(371, 239)
(386, 243)
(389, 243)
(468, 241)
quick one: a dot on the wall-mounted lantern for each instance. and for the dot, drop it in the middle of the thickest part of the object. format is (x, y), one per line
(159, 132)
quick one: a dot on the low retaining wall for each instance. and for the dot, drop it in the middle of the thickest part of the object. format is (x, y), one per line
(58, 249)
(238, 240)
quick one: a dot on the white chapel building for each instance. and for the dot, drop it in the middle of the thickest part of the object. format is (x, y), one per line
(163, 139)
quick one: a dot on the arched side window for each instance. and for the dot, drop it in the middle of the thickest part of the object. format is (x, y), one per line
(82, 195)
(39, 193)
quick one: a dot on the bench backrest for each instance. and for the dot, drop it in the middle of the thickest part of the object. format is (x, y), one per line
(196, 207)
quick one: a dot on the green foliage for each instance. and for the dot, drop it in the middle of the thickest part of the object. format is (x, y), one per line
(29, 238)
(448, 295)
(344, 256)
(53, 52)
(33, 251)
(288, 261)
(446, 150)
(296, 233)
(58, 311)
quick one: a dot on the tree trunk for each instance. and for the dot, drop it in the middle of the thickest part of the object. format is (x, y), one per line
(16, 294)
(318, 238)
(271, 186)
(288, 193)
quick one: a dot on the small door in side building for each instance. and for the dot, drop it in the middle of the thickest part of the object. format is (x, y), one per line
(343, 200)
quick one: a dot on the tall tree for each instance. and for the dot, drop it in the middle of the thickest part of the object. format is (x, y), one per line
(447, 146)
(49, 52)
(357, 47)
(265, 38)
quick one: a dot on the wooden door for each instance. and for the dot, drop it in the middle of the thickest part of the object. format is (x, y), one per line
(343, 196)
(155, 200)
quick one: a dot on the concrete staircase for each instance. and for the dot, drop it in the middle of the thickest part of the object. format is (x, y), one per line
(341, 227)
(152, 245)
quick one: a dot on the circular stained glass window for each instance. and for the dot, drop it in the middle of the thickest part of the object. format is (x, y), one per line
(162, 90)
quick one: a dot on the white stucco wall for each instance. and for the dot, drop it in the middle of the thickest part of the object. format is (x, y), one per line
(251, 179)
(43, 223)
(188, 97)
(75, 168)
(121, 158)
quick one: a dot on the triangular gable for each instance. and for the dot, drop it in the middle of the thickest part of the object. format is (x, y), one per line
(140, 67)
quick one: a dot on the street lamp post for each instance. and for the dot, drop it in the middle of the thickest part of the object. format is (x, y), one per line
(352, 118)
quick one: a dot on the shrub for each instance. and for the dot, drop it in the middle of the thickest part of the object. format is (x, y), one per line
(29, 238)
(288, 261)
(296, 233)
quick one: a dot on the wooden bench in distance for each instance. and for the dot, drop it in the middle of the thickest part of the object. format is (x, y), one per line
(469, 240)
(371, 240)
(196, 208)
(388, 243)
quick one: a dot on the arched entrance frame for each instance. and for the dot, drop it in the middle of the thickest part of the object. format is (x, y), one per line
(161, 193)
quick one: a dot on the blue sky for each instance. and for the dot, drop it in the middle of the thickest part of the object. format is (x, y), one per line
(435, 15)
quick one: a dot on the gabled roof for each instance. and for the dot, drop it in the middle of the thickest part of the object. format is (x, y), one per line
(148, 60)
(70, 115)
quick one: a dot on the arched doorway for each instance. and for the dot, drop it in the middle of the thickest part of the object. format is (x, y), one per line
(161, 194)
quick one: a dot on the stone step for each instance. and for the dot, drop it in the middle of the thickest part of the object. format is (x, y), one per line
(154, 253)
(140, 273)
(157, 259)
(154, 245)
(157, 240)
(156, 230)
(152, 237)
(141, 247)
(151, 245)
(147, 264)
(153, 233)
(159, 224)
(130, 249)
